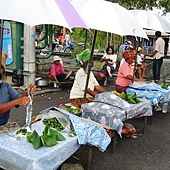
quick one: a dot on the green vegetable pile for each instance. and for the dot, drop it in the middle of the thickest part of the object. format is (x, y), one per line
(22, 131)
(72, 110)
(130, 98)
(49, 138)
(164, 86)
(54, 123)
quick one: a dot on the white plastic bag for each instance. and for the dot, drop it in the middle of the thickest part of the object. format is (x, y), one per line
(62, 119)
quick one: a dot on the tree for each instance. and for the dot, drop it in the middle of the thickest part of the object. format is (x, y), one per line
(166, 5)
(144, 4)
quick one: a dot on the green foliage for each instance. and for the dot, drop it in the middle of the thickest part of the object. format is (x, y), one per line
(144, 4)
(165, 4)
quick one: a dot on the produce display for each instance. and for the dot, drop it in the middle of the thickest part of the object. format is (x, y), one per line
(34, 138)
(164, 86)
(54, 123)
(115, 92)
(72, 110)
(130, 98)
(21, 131)
(49, 138)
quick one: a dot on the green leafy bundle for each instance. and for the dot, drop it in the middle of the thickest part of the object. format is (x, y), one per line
(49, 138)
(164, 86)
(130, 98)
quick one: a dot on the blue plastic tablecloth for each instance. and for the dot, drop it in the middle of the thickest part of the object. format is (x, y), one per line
(20, 155)
(152, 92)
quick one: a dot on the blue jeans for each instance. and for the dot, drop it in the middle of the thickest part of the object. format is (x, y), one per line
(157, 63)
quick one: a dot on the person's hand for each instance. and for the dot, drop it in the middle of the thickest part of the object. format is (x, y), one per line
(24, 101)
(31, 88)
(57, 82)
(142, 80)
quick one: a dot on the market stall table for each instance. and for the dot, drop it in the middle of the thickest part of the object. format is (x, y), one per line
(111, 110)
(152, 92)
(18, 154)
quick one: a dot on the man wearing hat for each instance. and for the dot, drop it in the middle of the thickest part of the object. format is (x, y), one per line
(126, 72)
(78, 89)
(57, 72)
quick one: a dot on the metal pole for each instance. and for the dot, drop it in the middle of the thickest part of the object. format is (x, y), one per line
(29, 54)
(135, 58)
(1, 40)
(89, 65)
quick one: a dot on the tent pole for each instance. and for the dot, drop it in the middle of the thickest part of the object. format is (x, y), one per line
(1, 40)
(88, 69)
(137, 43)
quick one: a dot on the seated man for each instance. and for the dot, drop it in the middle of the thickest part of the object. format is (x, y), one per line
(57, 72)
(78, 89)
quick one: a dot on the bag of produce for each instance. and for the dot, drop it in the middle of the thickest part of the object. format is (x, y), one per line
(56, 120)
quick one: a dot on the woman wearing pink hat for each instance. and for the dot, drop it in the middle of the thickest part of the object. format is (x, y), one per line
(126, 72)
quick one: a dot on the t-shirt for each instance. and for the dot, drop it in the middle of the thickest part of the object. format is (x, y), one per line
(139, 59)
(77, 91)
(112, 58)
(124, 70)
(67, 37)
(56, 69)
(159, 46)
(7, 94)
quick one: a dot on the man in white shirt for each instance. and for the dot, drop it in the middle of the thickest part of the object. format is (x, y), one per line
(158, 55)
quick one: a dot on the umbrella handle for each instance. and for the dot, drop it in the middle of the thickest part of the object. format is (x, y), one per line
(135, 57)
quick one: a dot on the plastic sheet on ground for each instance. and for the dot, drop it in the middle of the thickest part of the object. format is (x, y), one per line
(111, 110)
(152, 92)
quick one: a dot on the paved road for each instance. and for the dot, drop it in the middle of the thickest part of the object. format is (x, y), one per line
(148, 152)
